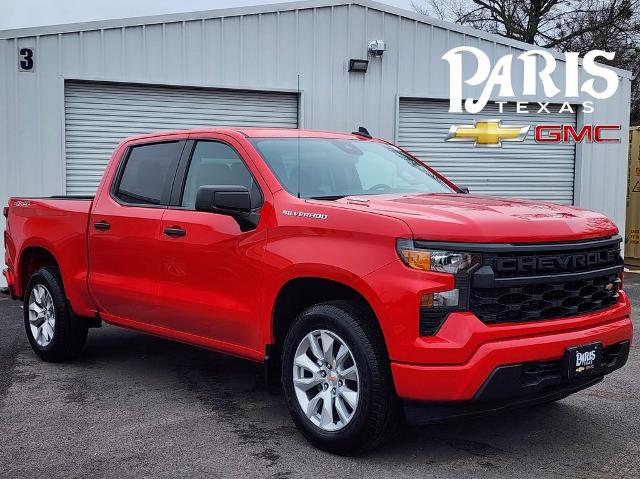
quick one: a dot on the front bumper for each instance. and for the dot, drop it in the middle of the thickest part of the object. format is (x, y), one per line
(459, 382)
(452, 363)
(518, 385)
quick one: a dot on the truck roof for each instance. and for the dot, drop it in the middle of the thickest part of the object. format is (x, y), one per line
(260, 133)
(293, 133)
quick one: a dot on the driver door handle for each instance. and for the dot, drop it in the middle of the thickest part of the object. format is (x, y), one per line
(101, 225)
(175, 231)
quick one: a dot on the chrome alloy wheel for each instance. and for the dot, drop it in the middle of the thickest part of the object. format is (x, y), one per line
(325, 378)
(42, 315)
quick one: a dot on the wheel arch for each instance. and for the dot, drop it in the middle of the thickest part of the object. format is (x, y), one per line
(296, 295)
(299, 293)
(32, 258)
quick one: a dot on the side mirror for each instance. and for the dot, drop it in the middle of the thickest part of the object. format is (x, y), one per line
(234, 201)
(463, 189)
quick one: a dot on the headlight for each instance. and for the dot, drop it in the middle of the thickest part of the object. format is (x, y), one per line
(435, 306)
(435, 260)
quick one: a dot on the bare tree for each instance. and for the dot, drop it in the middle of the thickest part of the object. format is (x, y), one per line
(450, 11)
(564, 25)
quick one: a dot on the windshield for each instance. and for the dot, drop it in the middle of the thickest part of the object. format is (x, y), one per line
(333, 168)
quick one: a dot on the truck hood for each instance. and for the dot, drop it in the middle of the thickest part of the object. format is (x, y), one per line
(477, 218)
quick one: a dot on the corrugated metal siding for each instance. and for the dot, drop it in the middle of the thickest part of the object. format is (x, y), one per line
(98, 116)
(523, 169)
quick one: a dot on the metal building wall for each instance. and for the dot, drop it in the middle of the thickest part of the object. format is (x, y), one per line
(265, 47)
(522, 169)
(99, 115)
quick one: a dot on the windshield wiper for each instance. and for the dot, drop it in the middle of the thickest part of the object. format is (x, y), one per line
(327, 198)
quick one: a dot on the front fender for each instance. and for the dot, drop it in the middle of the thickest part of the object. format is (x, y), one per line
(343, 244)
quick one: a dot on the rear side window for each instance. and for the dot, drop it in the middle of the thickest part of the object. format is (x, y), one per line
(148, 173)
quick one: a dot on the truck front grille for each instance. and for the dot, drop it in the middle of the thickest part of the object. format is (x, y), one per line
(528, 282)
(545, 300)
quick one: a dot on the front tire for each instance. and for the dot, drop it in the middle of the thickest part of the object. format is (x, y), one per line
(337, 380)
(54, 332)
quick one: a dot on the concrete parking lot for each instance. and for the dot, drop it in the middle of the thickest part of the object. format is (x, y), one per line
(135, 405)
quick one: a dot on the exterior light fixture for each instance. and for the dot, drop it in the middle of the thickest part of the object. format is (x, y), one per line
(358, 65)
(376, 48)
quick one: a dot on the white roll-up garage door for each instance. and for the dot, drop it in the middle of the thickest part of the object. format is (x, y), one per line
(518, 169)
(99, 115)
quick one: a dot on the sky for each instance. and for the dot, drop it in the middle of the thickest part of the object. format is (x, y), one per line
(32, 13)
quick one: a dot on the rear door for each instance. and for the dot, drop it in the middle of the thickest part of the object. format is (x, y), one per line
(212, 271)
(124, 231)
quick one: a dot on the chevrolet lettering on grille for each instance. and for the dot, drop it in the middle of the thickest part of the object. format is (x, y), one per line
(562, 262)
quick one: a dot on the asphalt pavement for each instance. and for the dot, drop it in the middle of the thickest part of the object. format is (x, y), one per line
(139, 406)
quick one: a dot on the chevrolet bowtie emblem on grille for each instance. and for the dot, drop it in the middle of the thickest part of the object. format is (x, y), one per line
(489, 133)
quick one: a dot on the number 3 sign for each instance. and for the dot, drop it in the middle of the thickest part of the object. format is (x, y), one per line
(25, 59)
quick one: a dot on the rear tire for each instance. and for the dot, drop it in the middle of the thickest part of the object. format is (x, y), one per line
(344, 401)
(54, 331)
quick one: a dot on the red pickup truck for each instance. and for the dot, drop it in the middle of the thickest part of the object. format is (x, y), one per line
(372, 288)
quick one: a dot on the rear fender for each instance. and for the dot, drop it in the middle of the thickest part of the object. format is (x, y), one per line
(74, 278)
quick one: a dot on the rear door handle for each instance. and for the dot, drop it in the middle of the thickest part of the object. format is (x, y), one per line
(175, 231)
(101, 225)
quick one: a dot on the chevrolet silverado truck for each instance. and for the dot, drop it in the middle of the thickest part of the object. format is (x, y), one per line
(373, 289)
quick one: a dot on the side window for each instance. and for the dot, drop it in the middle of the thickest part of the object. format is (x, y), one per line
(148, 173)
(215, 164)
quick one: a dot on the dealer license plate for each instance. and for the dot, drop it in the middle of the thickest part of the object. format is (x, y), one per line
(584, 359)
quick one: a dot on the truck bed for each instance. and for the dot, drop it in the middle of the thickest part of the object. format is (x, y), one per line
(71, 197)
(58, 224)
(55, 197)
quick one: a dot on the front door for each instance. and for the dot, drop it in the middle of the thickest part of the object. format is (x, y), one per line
(212, 271)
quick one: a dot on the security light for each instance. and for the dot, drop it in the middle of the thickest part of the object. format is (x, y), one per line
(376, 48)
(358, 65)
